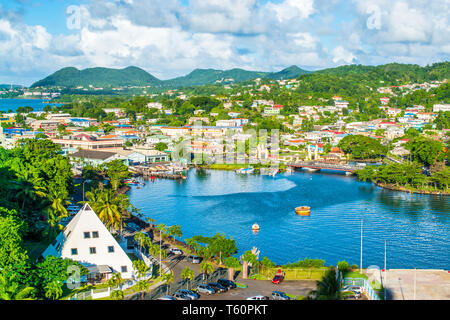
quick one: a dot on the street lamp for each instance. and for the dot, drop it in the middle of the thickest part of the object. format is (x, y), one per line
(83, 186)
(360, 267)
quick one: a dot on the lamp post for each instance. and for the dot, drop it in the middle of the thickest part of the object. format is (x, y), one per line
(360, 267)
(385, 270)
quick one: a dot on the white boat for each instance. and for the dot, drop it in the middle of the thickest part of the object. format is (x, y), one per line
(245, 170)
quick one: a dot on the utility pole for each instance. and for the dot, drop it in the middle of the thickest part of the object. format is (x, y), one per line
(385, 270)
(360, 266)
(415, 272)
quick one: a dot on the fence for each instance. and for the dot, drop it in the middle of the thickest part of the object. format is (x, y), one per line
(294, 274)
(367, 287)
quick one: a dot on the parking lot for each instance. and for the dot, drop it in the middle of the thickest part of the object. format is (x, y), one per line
(265, 288)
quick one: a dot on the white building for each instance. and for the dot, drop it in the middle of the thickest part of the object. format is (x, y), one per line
(86, 240)
(441, 107)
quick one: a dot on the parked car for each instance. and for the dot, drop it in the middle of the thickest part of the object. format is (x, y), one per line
(166, 298)
(227, 283)
(175, 251)
(352, 291)
(194, 259)
(279, 276)
(218, 287)
(258, 298)
(204, 288)
(191, 294)
(181, 296)
(278, 295)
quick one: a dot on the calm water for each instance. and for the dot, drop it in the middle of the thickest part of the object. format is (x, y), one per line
(417, 227)
(13, 104)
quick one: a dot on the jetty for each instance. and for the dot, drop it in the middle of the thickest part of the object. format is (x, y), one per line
(159, 171)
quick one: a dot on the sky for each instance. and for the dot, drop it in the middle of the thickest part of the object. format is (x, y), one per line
(170, 38)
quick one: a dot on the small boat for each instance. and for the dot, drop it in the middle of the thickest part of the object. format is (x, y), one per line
(245, 170)
(303, 211)
(255, 227)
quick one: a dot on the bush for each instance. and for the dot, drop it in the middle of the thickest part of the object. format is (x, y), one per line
(354, 266)
(343, 266)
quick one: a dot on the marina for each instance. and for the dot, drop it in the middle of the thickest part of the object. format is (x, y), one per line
(416, 227)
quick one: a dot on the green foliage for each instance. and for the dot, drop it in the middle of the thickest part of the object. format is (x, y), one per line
(343, 266)
(306, 263)
(161, 146)
(362, 147)
(98, 77)
(232, 262)
(426, 151)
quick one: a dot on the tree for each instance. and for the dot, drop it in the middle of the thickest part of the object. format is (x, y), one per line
(206, 267)
(168, 279)
(175, 231)
(142, 286)
(53, 290)
(343, 266)
(117, 172)
(187, 273)
(328, 288)
(115, 281)
(362, 147)
(426, 151)
(161, 146)
(10, 289)
(13, 257)
(141, 268)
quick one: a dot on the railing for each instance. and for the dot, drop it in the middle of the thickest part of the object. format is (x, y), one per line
(367, 288)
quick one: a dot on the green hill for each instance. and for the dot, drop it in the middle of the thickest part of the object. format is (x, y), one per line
(288, 73)
(98, 77)
(200, 77)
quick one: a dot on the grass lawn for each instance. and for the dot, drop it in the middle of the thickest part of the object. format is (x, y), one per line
(355, 275)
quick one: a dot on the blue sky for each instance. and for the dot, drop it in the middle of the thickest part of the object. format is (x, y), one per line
(169, 38)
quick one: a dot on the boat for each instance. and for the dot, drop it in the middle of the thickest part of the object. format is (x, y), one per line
(248, 170)
(303, 211)
(255, 227)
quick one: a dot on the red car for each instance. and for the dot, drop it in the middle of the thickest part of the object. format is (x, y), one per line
(279, 276)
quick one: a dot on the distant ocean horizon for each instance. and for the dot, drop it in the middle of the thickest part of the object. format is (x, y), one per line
(13, 104)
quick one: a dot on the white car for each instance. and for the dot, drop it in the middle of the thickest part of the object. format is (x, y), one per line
(258, 298)
(357, 290)
(175, 251)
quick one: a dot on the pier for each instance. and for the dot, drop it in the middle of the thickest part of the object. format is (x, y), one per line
(147, 172)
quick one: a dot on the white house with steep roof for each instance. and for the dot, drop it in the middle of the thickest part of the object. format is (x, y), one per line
(86, 240)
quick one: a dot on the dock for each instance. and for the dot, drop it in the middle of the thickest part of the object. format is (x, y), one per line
(148, 172)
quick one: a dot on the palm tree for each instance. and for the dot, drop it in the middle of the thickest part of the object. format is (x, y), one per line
(206, 267)
(104, 203)
(141, 268)
(142, 286)
(187, 273)
(329, 288)
(53, 290)
(115, 281)
(168, 278)
(11, 290)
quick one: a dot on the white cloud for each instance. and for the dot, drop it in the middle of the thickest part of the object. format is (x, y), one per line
(340, 54)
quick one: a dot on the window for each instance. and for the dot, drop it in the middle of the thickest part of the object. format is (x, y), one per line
(111, 249)
(124, 269)
(87, 235)
(94, 234)
(74, 251)
(92, 250)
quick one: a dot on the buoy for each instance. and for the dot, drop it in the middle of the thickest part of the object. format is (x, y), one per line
(255, 227)
(303, 211)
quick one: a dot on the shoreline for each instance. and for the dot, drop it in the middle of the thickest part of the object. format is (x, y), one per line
(404, 189)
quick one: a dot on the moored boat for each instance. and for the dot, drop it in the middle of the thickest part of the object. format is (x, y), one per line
(303, 211)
